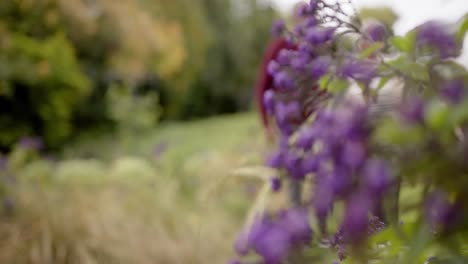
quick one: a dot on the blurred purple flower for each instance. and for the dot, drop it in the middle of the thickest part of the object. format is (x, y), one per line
(353, 154)
(285, 111)
(323, 200)
(292, 162)
(310, 163)
(378, 177)
(241, 245)
(377, 31)
(413, 111)
(437, 35)
(269, 101)
(306, 137)
(319, 35)
(284, 57)
(359, 70)
(307, 9)
(356, 218)
(282, 80)
(278, 28)
(454, 91)
(273, 67)
(276, 184)
(320, 66)
(296, 222)
(299, 62)
(438, 210)
(276, 160)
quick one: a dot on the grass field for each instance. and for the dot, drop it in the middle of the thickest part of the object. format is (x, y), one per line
(164, 197)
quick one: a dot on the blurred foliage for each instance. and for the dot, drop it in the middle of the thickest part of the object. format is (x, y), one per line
(384, 14)
(132, 114)
(58, 58)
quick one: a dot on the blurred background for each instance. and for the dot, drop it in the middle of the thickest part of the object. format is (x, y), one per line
(65, 64)
(121, 123)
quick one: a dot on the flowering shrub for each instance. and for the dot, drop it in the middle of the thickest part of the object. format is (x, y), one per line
(384, 169)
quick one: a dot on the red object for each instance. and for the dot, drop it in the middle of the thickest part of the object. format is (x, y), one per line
(265, 80)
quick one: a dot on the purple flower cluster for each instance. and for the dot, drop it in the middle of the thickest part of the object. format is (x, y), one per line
(273, 237)
(454, 91)
(341, 238)
(359, 70)
(335, 148)
(440, 213)
(437, 36)
(413, 110)
(376, 31)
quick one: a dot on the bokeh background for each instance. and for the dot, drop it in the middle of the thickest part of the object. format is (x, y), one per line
(123, 124)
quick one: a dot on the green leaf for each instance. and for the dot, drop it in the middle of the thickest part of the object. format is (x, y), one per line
(382, 82)
(337, 85)
(437, 116)
(405, 44)
(459, 115)
(324, 81)
(409, 68)
(369, 51)
(463, 28)
(391, 132)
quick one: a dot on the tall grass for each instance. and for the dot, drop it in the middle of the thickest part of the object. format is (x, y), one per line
(180, 207)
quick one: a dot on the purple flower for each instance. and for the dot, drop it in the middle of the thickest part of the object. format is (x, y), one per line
(269, 101)
(310, 164)
(306, 137)
(377, 31)
(282, 80)
(272, 244)
(341, 181)
(273, 68)
(353, 154)
(454, 91)
(241, 245)
(292, 163)
(356, 219)
(320, 66)
(278, 28)
(305, 48)
(299, 62)
(323, 200)
(413, 111)
(276, 184)
(284, 57)
(359, 70)
(319, 35)
(303, 10)
(437, 36)
(283, 112)
(438, 209)
(377, 176)
(276, 160)
(296, 222)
